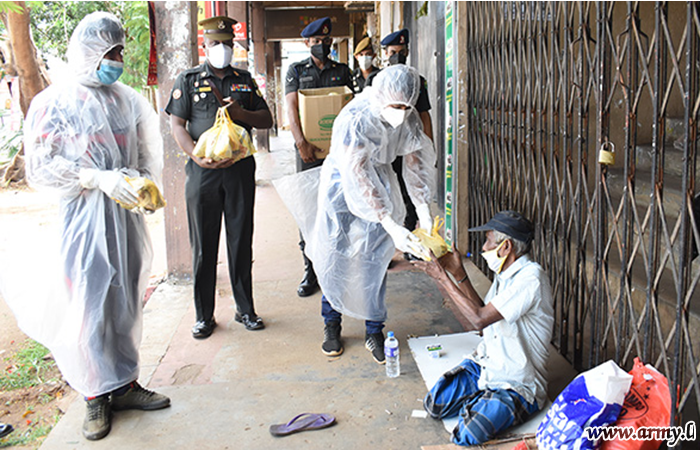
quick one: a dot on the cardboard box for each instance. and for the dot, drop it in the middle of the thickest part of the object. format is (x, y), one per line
(318, 109)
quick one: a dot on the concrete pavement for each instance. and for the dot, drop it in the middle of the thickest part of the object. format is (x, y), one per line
(227, 390)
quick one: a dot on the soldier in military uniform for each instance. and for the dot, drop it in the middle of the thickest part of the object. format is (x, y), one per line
(396, 50)
(318, 71)
(364, 53)
(213, 188)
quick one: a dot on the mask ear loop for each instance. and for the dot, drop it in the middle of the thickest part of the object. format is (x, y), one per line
(502, 258)
(499, 247)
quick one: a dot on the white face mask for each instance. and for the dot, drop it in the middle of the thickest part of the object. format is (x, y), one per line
(494, 261)
(219, 56)
(394, 116)
(365, 62)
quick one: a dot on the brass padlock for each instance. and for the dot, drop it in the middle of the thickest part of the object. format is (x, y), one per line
(607, 157)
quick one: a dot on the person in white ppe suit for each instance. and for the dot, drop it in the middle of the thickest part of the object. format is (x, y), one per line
(83, 136)
(356, 230)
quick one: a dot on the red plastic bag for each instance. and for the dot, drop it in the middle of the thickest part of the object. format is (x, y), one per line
(647, 404)
(529, 444)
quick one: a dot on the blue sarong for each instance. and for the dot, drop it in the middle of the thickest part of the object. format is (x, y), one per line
(484, 413)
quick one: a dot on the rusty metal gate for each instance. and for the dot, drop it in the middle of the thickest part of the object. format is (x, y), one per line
(549, 84)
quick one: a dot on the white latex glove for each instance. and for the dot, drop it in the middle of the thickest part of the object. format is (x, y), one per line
(142, 211)
(424, 217)
(131, 173)
(403, 239)
(111, 183)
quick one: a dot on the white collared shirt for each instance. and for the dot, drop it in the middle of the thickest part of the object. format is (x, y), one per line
(513, 354)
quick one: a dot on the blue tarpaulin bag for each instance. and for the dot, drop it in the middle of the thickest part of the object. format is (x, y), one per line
(592, 399)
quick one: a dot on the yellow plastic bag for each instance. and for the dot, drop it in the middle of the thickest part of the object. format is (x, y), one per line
(433, 241)
(224, 140)
(150, 197)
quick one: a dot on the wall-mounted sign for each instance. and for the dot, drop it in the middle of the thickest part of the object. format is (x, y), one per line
(240, 31)
(288, 23)
(449, 123)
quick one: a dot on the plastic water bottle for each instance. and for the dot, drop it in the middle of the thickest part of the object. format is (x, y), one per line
(391, 352)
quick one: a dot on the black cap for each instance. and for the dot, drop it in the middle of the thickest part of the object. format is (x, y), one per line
(511, 223)
(320, 27)
(396, 38)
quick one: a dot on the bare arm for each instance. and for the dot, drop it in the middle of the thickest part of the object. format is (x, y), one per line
(463, 295)
(307, 151)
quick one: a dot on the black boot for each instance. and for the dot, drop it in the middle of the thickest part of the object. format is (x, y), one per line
(309, 284)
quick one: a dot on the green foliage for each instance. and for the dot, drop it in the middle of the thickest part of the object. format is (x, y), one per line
(10, 7)
(54, 22)
(26, 367)
(10, 144)
(138, 43)
(36, 432)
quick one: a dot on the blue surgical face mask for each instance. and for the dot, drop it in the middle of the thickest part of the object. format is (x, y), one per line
(110, 71)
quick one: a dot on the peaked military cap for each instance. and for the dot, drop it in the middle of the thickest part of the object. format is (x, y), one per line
(218, 28)
(320, 27)
(364, 44)
(396, 38)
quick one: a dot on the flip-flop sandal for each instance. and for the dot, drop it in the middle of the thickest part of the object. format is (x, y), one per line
(5, 429)
(303, 422)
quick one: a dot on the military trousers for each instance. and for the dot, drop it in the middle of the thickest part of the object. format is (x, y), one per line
(211, 194)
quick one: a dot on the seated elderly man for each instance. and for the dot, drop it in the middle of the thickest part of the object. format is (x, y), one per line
(504, 381)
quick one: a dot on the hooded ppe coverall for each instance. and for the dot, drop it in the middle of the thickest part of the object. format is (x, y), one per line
(349, 247)
(90, 315)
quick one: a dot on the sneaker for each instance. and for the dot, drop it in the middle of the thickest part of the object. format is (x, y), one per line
(331, 339)
(137, 397)
(97, 421)
(375, 343)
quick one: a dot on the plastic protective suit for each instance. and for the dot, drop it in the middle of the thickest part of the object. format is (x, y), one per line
(90, 315)
(358, 188)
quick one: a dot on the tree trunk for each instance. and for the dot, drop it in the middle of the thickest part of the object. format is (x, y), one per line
(24, 52)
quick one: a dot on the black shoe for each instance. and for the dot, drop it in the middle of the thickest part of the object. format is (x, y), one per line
(375, 343)
(203, 328)
(308, 285)
(332, 346)
(98, 420)
(250, 322)
(5, 429)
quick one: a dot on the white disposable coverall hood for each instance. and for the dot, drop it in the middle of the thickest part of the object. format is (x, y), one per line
(95, 36)
(82, 298)
(356, 188)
